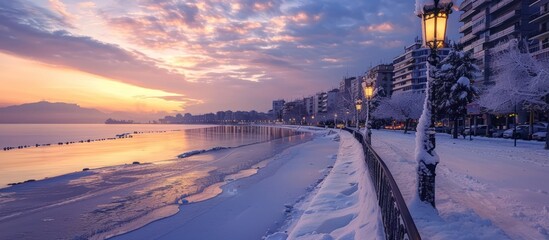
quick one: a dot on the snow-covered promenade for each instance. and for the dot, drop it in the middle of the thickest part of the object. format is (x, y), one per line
(486, 188)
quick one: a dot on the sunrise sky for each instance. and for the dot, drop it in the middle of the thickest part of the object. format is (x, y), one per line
(193, 56)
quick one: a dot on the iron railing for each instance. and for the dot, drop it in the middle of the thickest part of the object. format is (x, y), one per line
(397, 221)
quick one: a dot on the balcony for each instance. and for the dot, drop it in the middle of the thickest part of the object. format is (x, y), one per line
(464, 4)
(465, 26)
(501, 34)
(503, 18)
(480, 41)
(540, 17)
(542, 52)
(500, 47)
(542, 34)
(479, 3)
(466, 38)
(479, 55)
(500, 5)
(538, 2)
(478, 28)
(464, 15)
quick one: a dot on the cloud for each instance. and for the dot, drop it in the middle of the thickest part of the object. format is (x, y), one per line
(215, 54)
(61, 9)
(383, 27)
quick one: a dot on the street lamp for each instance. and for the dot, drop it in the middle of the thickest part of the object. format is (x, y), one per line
(335, 121)
(368, 87)
(358, 105)
(434, 15)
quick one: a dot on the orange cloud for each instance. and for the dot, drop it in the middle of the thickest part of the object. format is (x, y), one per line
(383, 27)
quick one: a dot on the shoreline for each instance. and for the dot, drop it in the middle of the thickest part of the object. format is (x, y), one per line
(120, 188)
(258, 201)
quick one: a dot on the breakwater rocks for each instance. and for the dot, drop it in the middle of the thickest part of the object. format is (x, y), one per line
(117, 136)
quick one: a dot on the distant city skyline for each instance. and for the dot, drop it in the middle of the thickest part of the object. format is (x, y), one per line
(194, 56)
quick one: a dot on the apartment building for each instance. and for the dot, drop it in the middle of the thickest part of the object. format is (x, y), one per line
(541, 36)
(278, 105)
(409, 73)
(382, 77)
(488, 24)
(309, 105)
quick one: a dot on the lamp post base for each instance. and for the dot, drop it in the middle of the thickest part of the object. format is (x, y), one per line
(426, 182)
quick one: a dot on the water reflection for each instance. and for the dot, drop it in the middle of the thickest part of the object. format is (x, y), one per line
(42, 162)
(100, 202)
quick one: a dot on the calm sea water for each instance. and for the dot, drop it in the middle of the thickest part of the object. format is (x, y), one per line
(154, 143)
(117, 196)
(13, 135)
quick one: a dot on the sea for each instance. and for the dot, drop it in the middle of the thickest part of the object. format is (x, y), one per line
(92, 181)
(38, 151)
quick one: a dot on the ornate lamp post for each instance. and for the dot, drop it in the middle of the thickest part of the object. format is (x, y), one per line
(368, 88)
(358, 105)
(434, 15)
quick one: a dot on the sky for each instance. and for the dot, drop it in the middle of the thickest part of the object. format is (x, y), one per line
(147, 56)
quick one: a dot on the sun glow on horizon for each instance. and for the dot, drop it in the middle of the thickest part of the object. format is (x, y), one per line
(61, 84)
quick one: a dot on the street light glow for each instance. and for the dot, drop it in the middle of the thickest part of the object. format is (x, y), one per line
(435, 20)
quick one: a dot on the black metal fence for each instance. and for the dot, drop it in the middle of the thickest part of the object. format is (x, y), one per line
(397, 221)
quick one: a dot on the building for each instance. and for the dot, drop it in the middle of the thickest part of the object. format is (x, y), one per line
(320, 103)
(382, 77)
(356, 87)
(487, 24)
(541, 36)
(409, 69)
(293, 111)
(278, 105)
(345, 84)
(331, 100)
(309, 105)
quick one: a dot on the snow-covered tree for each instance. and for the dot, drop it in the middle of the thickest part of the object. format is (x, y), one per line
(346, 103)
(452, 85)
(520, 80)
(401, 107)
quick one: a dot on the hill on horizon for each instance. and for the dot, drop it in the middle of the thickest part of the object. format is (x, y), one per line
(48, 112)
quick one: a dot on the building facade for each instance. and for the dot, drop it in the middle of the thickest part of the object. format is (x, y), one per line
(489, 24)
(331, 100)
(541, 36)
(382, 77)
(409, 69)
(278, 106)
(309, 105)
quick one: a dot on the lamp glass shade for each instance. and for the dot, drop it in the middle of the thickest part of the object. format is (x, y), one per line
(369, 92)
(434, 29)
(358, 107)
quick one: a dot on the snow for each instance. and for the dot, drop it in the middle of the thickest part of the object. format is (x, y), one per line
(420, 4)
(344, 207)
(111, 200)
(486, 189)
(401, 106)
(464, 81)
(420, 152)
(254, 206)
(311, 187)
